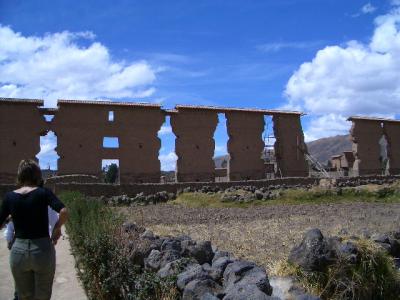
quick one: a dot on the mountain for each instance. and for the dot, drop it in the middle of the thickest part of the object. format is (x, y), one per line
(323, 149)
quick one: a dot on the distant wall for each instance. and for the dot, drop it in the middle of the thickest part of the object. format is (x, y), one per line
(21, 125)
(245, 145)
(392, 133)
(289, 146)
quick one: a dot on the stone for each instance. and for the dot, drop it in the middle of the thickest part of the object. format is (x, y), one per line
(157, 260)
(200, 250)
(132, 228)
(218, 267)
(258, 194)
(191, 273)
(314, 252)
(246, 292)
(148, 235)
(196, 289)
(141, 248)
(219, 254)
(171, 244)
(307, 297)
(175, 267)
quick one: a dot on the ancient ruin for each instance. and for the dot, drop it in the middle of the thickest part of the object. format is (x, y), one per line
(81, 126)
(366, 134)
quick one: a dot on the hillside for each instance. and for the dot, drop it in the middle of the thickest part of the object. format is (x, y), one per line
(323, 149)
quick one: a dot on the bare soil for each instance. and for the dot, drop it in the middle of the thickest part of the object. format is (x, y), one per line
(265, 234)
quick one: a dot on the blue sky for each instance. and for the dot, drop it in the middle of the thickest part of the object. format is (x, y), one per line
(317, 56)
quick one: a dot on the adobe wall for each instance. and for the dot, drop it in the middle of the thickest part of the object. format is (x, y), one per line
(194, 144)
(245, 145)
(365, 135)
(81, 151)
(21, 125)
(392, 133)
(290, 148)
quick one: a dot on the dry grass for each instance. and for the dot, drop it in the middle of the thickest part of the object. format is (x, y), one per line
(265, 234)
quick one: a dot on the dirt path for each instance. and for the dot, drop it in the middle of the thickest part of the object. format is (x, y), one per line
(66, 285)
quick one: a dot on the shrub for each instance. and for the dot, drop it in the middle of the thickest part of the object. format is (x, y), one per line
(373, 276)
(102, 255)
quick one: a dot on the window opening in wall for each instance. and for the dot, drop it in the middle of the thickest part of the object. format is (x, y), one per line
(48, 118)
(110, 171)
(110, 142)
(167, 155)
(221, 156)
(383, 156)
(268, 154)
(111, 116)
(48, 156)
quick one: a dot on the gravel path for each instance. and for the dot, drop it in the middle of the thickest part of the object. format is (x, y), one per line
(66, 285)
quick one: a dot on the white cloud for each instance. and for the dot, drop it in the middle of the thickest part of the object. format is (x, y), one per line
(168, 161)
(220, 149)
(277, 46)
(165, 129)
(356, 79)
(368, 8)
(57, 66)
(47, 155)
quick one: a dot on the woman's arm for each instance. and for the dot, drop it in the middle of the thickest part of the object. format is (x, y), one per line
(62, 218)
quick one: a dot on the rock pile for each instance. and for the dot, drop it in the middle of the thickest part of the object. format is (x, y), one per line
(138, 199)
(201, 271)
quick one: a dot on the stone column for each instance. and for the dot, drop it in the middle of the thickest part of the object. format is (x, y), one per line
(245, 145)
(290, 148)
(392, 133)
(194, 144)
(365, 135)
(21, 125)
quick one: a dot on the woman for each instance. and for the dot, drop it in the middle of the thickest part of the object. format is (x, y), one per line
(32, 257)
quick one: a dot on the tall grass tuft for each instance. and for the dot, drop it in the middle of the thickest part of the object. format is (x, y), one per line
(372, 277)
(102, 255)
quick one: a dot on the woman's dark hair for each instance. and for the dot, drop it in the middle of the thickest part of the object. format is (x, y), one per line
(29, 173)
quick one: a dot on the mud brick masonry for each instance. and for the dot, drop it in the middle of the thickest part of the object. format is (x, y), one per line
(80, 127)
(366, 134)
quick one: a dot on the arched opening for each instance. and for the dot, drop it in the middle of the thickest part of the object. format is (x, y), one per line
(221, 156)
(268, 154)
(48, 157)
(167, 155)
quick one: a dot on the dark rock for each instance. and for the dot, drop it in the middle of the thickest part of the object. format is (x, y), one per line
(314, 252)
(258, 194)
(246, 292)
(171, 244)
(141, 248)
(148, 235)
(191, 273)
(196, 289)
(175, 267)
(218, 267)
(200, 250)
(219, 254)
(157, 259)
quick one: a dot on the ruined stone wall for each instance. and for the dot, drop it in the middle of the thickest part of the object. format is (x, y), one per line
(392, 133)
(365, 135)
(245, 145)
(21, 125)
(194, 144)
(80, 129)
(289, 146)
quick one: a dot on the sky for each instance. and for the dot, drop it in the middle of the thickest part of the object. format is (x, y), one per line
(328, 58)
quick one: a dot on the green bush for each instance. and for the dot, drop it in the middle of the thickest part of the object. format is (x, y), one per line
(102, 255)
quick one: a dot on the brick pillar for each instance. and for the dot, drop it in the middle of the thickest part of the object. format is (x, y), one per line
(289, 146)
(245, 145)
(392, 133)
(365, 135)
(194, 144)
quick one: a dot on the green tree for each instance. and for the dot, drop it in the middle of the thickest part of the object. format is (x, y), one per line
(111, 173)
